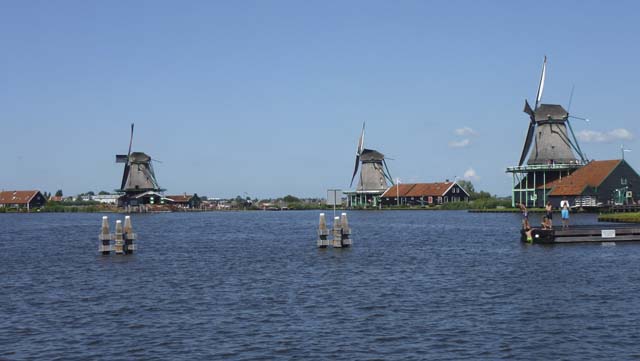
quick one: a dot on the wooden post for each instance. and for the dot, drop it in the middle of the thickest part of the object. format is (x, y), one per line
(346, 231)
(105, 237)
(129, 236)
(119, 244)
(337, 233)
(323, 232)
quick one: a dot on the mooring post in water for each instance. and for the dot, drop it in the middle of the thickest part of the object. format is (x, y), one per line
(323, 232)
(337, 233)
(105, 237)
(119, 244)
(346, 231)
(129, 236)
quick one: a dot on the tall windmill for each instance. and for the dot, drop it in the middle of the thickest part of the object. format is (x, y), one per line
(548, 150)
(138, 176)
(374, 175)
(548, 126)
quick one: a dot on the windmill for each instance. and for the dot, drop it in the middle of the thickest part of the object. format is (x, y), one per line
(548, 150)
(138, 176)
(548, 127)
(374, 173)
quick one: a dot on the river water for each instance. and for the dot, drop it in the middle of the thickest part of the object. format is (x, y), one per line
(416, 285)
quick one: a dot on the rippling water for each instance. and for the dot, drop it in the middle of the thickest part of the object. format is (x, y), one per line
(252, 285)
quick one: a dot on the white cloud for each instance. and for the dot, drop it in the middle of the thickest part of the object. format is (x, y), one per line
(592, 136)
(459, 143)
(464, 131)
(470, 174)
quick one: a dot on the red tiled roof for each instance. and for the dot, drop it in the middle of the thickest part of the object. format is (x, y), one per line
(183, 198)
(418, 189)
(16, 197)
(591, 175)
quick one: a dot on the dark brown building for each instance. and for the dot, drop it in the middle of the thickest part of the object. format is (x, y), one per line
(598, 183)
(22, 199)
(424, 194)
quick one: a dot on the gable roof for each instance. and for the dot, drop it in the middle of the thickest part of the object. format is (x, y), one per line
(183, 198)
(419, 189)
(17, 197)
(591, 175)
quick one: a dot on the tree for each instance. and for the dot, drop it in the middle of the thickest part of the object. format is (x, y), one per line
(59, 193)
(291, 199)
(467, 186)
(90, 193)
(103, 193)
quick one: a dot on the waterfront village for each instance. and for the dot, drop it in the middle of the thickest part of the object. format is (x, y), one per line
(552, 167)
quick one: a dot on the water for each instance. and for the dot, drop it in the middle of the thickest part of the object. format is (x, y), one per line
(253, 286)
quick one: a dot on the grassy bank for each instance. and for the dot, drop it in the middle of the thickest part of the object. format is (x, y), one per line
(620, 217)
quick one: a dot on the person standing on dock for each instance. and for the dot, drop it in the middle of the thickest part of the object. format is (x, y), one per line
(523, 208)
(549, 209)
(564, 211)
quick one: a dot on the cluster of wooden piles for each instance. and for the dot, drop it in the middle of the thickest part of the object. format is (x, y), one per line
(341, 232)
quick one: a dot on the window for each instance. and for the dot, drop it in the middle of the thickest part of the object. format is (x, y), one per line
(439, 200)
(623, 181)
(430, 200)
(446, 199)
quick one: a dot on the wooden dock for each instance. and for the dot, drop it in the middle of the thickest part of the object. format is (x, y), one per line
(597, 233)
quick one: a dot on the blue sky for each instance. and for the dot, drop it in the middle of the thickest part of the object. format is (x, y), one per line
(267, 98)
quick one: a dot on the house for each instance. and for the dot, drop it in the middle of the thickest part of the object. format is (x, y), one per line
(185, 201)
(22, 199)
(424, 194)
(603, 182)
(106, 198)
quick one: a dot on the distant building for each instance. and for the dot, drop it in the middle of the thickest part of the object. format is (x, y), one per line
(185, 201)
(424, 194)
(603, 182)
(22, 199)
(106, 198)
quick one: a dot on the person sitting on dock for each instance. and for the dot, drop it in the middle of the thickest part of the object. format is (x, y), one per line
(546, 223)
(564, 211)
(549, 209)
(528, 231)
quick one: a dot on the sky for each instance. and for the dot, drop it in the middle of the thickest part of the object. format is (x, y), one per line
(267, 98)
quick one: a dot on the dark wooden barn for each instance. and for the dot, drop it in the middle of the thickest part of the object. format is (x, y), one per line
(424, 194)
(22, 199)
(598, 183)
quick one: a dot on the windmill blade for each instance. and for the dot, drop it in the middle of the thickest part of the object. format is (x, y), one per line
(130, 140)
(361, 141)
(527, 142)
(355, 170)
(127, 166)
(386, 172)
(541, 85)
(528, 110)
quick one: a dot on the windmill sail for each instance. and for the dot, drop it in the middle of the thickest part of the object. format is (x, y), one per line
(541, 85)
(358, 153)
(530, 132)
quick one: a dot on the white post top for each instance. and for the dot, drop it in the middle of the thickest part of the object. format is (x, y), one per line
(336, 217)
(344, 214)
(322, 214)
(104, 217)
(125, 217)
(118, 221)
